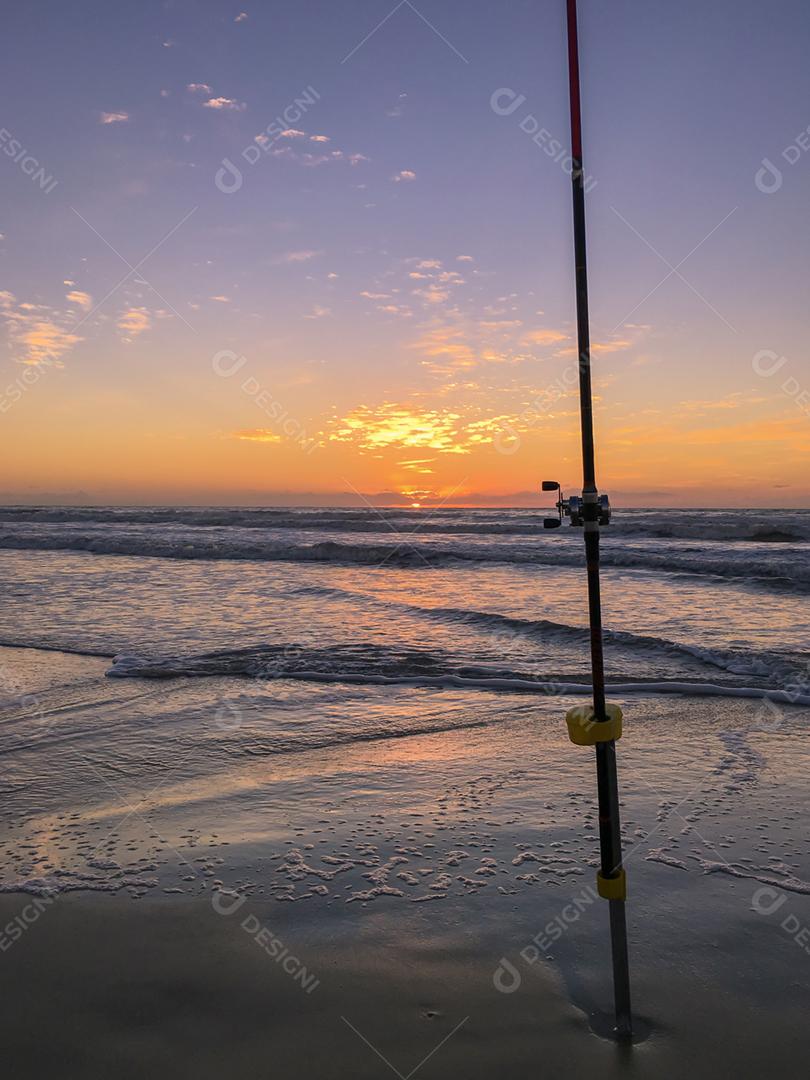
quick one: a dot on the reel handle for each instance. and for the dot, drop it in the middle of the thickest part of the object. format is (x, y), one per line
(555, 523)
(573, 508)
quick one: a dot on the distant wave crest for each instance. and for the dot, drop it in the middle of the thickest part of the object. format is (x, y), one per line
(751, 526)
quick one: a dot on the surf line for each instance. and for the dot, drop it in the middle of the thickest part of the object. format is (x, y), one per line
(548, 689)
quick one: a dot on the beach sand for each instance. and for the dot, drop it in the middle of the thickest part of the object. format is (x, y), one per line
(416, 906)
(101, 988)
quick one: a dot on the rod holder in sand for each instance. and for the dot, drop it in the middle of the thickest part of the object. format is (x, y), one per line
(591, 512)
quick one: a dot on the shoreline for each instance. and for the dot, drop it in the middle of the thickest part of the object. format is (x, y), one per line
(418, 880)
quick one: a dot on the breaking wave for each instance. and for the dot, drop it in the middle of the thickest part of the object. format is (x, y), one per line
(375, 665)
(734, 661)
(787, 573)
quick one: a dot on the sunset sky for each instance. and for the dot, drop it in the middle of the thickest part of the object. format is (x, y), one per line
(374, 299)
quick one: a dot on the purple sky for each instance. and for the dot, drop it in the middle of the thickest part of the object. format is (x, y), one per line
(391, 269)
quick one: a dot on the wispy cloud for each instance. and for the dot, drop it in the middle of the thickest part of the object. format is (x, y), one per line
(222, 104)
(113, 117)
(737, 400)
(311, 160)
(296, 136)
(544, 337)
(404, 176)
(432, 294)
(37, 334)
(132, 323)
(81, 299)
(445, 348)
(599, 347)
(45, 341)
(225, 104)
(297, 256)
(264, 435)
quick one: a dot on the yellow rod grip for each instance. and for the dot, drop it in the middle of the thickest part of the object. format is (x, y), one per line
(585, 730)
(612, 888)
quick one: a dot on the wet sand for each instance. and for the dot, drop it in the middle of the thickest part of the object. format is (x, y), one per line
(101, 987)
(416, 906)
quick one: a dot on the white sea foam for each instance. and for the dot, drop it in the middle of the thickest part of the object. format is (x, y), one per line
(367, 664)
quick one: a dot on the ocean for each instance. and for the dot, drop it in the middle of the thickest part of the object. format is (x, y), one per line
(177, 653)
(689, 596)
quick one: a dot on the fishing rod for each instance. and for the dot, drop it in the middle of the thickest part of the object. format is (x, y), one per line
(599, 725)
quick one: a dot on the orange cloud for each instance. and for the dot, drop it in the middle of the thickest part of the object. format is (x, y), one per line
(544, 337)
(393, 426)
(38, 334)
(133, 323)
(447, 344)
(83, 299)
(264, 435)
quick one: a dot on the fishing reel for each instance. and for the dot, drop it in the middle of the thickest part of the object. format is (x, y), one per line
(574, 508)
